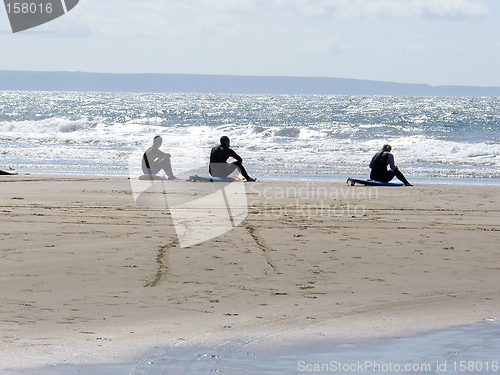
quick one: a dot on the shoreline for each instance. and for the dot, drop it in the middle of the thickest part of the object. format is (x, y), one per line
(446, 351)
(422, 180)
(90, 277)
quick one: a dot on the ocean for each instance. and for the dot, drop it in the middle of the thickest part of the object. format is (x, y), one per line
(278, 136)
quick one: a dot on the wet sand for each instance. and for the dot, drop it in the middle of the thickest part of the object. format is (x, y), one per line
(468, 349)
(90, 277)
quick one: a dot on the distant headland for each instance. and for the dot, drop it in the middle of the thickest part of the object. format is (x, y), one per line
(223, 84)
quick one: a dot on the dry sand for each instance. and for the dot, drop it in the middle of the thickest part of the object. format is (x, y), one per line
(89, 277)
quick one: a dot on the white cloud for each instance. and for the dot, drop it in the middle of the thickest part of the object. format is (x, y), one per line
(191, 17)
(160, 17)
(453, 9)
(442, 9)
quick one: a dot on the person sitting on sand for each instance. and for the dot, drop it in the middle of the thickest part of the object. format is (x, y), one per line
(218, 161)
(379, 167)
(155, 160)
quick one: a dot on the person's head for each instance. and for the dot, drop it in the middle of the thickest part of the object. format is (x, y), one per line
(157, 141)
(387, 148)
(224, 141)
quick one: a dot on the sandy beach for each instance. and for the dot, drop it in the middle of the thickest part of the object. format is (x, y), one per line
(88, 276)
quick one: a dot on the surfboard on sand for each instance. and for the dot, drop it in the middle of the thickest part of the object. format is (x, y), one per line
(7, 171)
(354, 181)
(197, 178)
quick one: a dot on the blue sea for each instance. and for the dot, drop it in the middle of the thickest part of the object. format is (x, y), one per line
(278, 136)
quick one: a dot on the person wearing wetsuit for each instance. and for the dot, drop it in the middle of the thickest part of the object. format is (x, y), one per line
(154, 160)
(219, 167)
(379, 164)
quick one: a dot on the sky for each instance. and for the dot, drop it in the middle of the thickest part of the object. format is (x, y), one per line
(437, 42)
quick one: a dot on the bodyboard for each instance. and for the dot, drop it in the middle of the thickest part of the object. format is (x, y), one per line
(354, 181)
(196, 178)
(8, 171)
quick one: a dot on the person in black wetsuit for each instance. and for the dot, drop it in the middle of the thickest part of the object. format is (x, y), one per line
(154, 160)
(379, 165)
(219, 167)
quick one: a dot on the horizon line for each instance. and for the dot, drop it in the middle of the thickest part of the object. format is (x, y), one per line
(253, 76)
